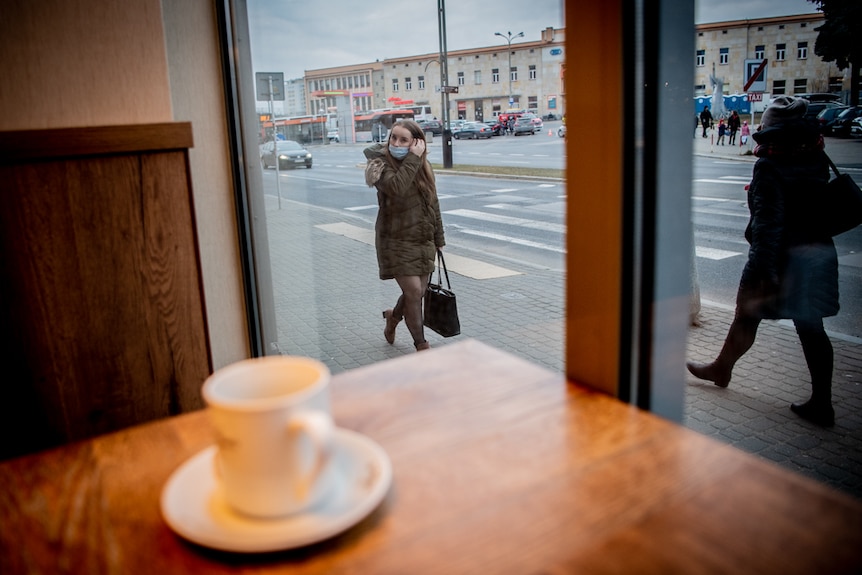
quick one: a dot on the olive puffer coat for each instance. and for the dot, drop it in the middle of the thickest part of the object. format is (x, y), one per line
(409, 228)
(791, 272)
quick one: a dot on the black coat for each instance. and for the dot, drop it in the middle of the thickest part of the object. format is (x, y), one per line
(791, 272)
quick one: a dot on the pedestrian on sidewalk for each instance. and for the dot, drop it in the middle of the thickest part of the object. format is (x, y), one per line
(722, 130)
(744, 134)
(705, 119)
(409, 228)
(792, 270)
(733, 127)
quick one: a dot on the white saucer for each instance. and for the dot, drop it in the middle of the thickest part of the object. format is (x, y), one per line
(194, 507)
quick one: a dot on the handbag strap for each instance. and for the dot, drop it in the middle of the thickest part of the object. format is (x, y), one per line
(831, 164)
(441, 264)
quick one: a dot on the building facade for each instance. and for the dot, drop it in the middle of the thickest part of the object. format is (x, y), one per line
(787, 43)
(486, 79)
(488, 82)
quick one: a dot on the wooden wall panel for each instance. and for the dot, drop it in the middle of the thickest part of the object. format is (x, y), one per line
(100, 289)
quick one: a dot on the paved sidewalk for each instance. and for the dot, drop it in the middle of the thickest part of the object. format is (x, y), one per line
(328, 303)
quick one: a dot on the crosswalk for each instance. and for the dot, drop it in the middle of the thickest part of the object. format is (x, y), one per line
(508, 221)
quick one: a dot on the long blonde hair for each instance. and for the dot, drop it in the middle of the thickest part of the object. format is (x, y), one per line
(425, 177)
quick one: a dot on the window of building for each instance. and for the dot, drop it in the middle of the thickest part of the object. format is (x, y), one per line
(802, 51)
(835, 83)
(800, 85)
(394, 84)
(513, 73)
(533, 104)
(477, 76)
(421, 80)
(460, 78)
(495, 75)
(723, 55)
(408, 83)
(532, 72)
(780, 51)
(803, 25)
(778, 87)
(700, 58)
(759, 51)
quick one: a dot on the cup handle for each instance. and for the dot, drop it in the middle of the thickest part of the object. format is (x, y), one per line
(319, 428)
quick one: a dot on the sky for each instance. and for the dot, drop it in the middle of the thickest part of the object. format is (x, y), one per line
(291, 36)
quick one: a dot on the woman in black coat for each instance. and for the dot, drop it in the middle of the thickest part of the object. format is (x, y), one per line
(792, 271)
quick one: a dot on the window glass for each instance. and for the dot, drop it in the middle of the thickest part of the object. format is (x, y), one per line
(320, 215)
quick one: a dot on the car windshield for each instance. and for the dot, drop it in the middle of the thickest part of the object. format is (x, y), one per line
(288, 146)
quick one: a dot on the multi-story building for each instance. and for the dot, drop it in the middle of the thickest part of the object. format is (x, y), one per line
(786, 42)
(485, 79)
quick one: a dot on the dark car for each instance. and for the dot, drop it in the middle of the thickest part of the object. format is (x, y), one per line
(841, 127)
(815, 108)
(472, 131)
(433, 126)
(524, 126)
(290, 155)
(497, 127)
(827, 117)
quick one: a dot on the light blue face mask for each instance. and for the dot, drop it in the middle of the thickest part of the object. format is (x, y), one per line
(397, 152)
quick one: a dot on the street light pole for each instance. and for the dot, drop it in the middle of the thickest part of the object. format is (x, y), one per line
(508, 40)
(444, 84)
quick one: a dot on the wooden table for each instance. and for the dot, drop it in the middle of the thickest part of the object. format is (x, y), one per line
(500, 466)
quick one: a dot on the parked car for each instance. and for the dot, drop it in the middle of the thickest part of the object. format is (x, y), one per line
(538, 124)
(433, 126)
(497, 127)
(827, 117)
(332, 135)
(472, 130)
(290, 155)
(523, 126)
(815, 108)
(856, 127)
(820, 97)
(841, 127)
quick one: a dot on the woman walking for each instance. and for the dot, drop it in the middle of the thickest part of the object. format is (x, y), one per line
(409, 229)
(792, 271)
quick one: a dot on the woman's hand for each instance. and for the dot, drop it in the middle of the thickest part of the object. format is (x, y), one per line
(418, 147)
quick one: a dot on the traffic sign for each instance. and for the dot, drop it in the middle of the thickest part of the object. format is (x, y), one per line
(449, 89)
(755, 96)
(755, 75)
(263, 81)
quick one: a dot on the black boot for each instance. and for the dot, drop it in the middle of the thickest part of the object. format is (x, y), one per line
(710, 372)
(817, 350)
(817, 412)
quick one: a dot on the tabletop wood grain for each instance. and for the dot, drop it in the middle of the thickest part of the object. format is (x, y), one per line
(500, 466)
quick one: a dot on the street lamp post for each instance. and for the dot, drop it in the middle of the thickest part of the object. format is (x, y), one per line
(508, 38)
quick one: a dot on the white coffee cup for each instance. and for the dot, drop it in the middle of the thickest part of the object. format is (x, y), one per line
(274, 433)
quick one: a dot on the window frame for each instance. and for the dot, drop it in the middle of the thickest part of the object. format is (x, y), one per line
(631, 318)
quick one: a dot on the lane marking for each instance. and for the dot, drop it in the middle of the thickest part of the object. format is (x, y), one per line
(714, 253)
(467, 267)
(711, 181)
(503, 190)
(512, 240)
(509, 220)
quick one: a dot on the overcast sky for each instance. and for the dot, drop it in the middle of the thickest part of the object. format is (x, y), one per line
(291, 36)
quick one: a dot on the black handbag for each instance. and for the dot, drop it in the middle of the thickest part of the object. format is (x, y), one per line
(840, 208)
(441, 309)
